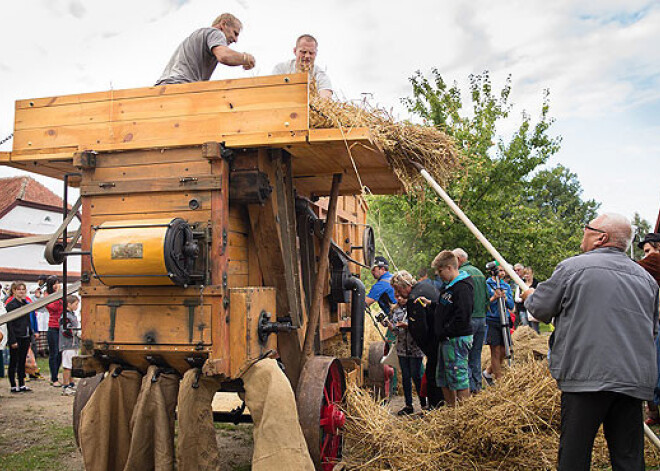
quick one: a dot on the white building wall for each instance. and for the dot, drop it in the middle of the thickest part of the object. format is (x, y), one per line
(31, 257)
(34, 221)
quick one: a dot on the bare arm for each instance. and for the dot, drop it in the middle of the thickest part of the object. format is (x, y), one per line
(233, 58)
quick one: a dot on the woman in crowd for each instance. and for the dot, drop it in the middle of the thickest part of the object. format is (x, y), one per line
(410, 355)
(55, 312)
(19, 334)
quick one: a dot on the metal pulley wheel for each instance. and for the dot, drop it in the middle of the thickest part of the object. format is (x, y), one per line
(380, 376)
(368, 246)
(321, 389)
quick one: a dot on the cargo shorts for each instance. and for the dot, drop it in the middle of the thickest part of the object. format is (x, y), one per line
(452, 370)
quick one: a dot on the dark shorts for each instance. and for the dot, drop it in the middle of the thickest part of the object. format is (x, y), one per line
(494, 334)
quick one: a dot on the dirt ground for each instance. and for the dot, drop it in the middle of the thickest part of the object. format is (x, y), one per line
(36, 432)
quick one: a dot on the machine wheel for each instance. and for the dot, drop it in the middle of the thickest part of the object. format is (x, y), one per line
(84, 390)
(380, 376)
(321, 390)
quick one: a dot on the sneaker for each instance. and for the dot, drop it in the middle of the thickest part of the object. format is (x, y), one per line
(406, 411)
(56, 384)
(25, 389)
(67, 391)
(14, 389)
(489, 379)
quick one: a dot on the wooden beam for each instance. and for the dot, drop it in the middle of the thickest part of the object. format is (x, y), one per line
(322, 277)
(277, 256)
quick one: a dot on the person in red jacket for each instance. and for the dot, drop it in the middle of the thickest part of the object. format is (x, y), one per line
(55, 312)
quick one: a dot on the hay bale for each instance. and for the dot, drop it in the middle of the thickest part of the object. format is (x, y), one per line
(513, 426)
(402, 143)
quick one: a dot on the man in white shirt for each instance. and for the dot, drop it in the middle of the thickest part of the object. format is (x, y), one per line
(305, 52)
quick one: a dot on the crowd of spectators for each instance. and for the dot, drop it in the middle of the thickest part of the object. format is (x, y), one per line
(601, 308)
(48, 331)
(439, 322)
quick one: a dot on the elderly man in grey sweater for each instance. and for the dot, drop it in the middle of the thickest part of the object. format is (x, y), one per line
(605, 309)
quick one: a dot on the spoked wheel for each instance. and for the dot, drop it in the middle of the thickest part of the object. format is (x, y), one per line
(321, 390)
(84, 390)
(380, 376)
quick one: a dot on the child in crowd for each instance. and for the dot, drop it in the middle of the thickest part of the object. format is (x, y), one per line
(69, 343)
(453, 328)
(410, 355)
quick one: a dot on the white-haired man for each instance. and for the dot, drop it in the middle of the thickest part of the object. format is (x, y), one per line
(605, 308)
(197, 56)
(305, 52)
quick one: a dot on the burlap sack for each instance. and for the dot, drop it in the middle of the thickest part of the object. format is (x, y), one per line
(152, 423)
(197, 448)
(278, 439)
(104, 428)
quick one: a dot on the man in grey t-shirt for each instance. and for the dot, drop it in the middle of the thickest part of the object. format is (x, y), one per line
(305, 52)
(196, 57)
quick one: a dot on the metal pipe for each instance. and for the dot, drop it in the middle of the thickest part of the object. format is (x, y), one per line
(358, 305)
(477, 233)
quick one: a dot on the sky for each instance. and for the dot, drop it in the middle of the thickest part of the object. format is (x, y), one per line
(598, 59)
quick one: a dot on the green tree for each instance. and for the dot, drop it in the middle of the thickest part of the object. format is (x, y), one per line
(531, 214)
(641, 227)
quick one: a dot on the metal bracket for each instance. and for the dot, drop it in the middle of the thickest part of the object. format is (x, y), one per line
(191, 304)
(224, 241)
(266, 327)
(114, 305)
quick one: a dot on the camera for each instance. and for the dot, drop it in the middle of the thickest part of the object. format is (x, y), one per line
(493, 267)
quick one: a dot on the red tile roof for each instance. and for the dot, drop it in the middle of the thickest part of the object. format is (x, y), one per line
(25, 189)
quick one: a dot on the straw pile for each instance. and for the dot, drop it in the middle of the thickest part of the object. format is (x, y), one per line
(527, 345)
(401, 143)
(339, 347)
(512, 426)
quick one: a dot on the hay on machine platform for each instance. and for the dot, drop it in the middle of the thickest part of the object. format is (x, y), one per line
(514, 426)
(402, 143)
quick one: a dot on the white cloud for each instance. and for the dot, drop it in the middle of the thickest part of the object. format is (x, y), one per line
(598, 57)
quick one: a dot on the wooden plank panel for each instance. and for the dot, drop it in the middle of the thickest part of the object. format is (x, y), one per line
(154, 324)
(166, 169)
(245, 309)
(151, 185)
(183, 130)
(153, 203)
(237, 253)
(238, 267)
(196, 87)
(236, 239)
(238, 281)
(190, 216)
(148, 157)
(206, 103)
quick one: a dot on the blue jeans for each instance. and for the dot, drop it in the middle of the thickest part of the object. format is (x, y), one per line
(54, 354)
(411, 371)
(474, 357)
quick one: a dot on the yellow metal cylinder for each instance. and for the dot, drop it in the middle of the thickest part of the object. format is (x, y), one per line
(131, 252)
